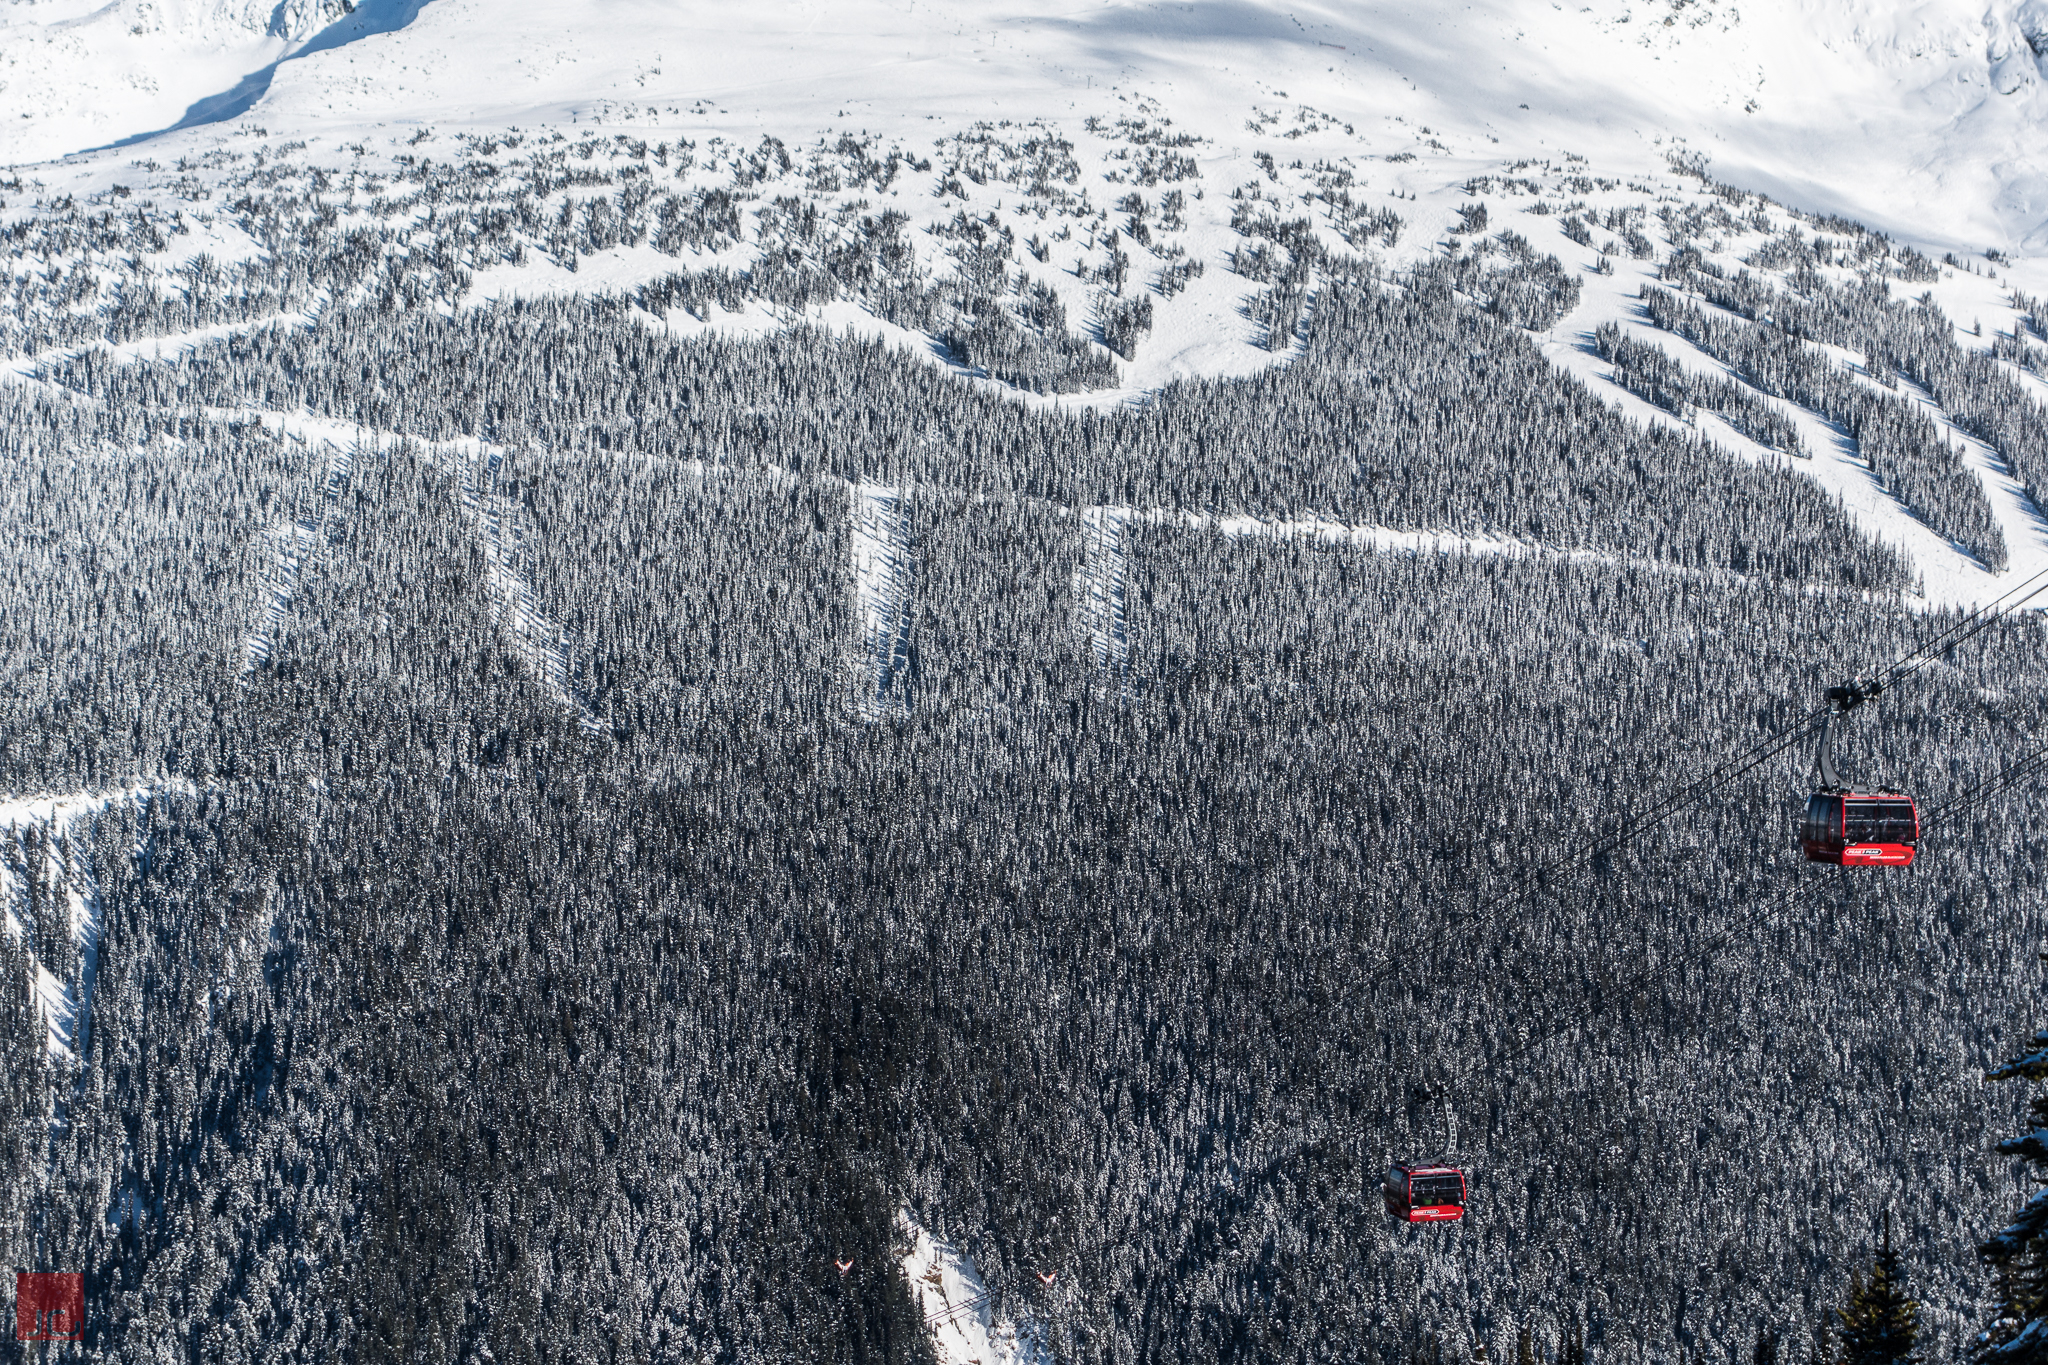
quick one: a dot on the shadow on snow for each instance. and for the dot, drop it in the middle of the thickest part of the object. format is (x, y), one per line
(369, 19)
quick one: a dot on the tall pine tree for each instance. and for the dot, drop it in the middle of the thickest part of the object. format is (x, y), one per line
(1573, 1350)
(1880, 1325)
(2018, 1255)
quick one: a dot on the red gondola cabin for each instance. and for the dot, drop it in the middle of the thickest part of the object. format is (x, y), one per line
(1860, 829)
(1425, 1194)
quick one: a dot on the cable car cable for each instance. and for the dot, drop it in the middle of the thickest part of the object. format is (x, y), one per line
(1977, 620)
(2034, 762)
(1991, 613)
(1620, 992)
(1757, 755)
(1841, 699)
(1624, 988)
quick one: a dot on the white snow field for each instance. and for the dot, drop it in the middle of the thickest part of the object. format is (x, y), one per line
(83, 73)
(1950, 577)
(1919, 117)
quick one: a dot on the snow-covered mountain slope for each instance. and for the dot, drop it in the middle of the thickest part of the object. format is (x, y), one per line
(1922, 119)
(1151, 193)
(76, 73)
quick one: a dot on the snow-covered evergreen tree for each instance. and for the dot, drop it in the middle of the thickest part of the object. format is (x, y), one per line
(2018, 1254)
(1881, 1324)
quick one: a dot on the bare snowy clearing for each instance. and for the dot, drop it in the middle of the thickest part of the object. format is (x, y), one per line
(298, 541)
(1105, 568)
(536, 638)
(958, 1308)
(884, 566)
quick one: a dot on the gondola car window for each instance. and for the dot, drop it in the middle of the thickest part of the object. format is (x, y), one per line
(1880, 822)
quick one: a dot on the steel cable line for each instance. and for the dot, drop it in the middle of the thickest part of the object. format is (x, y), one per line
(1992, 612)
(1755, 756)
(1762, 752)
(2034, 762)
(1621, 991)
(1328, 1145)
(1758, 754)
(1972, 623)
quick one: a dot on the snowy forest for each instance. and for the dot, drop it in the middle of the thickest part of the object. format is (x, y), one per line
(592, 827)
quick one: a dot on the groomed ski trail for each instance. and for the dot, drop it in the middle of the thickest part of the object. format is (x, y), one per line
(535, 636)
(299, 541)
(1949, 575)
(1100, 584)
(884, 568)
